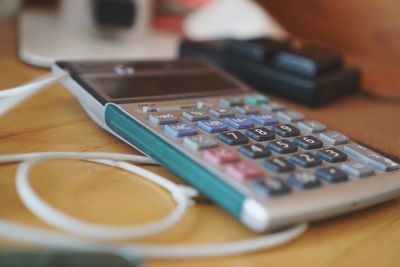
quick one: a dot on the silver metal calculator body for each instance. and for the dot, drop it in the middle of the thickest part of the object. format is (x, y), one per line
(267, 166)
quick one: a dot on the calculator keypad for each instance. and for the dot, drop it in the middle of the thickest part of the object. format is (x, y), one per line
(268, 149)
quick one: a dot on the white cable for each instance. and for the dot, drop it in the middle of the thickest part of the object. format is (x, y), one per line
(11, 98)
(45, 238)
(56, 218)
(34, 85)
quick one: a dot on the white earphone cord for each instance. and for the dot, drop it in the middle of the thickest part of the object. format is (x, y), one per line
(182, 195)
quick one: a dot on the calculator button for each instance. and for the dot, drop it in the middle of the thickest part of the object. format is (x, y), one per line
(264, 119)
(282, 146)
(331, 155)
(212, 126)
(308, 142)
(334, 138)
(273, 107)
(357, 169)
(220, 155)
(303, 180)
(199, 142)
(258, 99)
(255, 151)
(306, 160)
(239, 122)
(222, 112)
(244, 170)
(311, 126)
(149, 109)
(231, 102)
(179, 130)
(233, 138)
(371, 158)
(286, 130)
(290, 116)
(331, 174)
(260, 134)
(247, 110)
(161, 119)
(278, 164)
(195, 115)
(272, 186)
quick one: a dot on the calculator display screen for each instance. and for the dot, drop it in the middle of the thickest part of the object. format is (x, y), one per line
(144, 86)
(125, 82)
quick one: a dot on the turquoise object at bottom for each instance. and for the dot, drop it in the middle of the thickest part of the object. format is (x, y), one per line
(175, 161)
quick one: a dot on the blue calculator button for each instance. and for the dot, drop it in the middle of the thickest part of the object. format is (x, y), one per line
(179, 129)
(212, 126)
(264, 119)
(239, 122)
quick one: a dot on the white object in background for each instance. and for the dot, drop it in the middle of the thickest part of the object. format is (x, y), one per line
(240, 19)
(70, 33)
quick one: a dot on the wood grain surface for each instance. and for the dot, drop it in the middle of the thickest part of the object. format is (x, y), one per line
(53, 120)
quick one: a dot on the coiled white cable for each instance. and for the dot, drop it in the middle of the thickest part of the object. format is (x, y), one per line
(181, 194)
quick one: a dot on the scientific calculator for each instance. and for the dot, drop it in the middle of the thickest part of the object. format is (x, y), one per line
(267, 165)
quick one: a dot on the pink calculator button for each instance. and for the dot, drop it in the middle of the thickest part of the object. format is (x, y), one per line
(220, 155)
(244, 170)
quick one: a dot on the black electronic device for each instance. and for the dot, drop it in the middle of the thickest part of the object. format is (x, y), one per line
(310, 75)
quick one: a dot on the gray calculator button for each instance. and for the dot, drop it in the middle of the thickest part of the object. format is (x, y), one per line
(334, 138)
(222, 112)
(290, 116)
(164, 118)
(248, 110)
(273, 107)
(371, 158)
(231, 102)
(357, 169)
(199, 142)
(149, 109)
(195, 115)
(311, 126)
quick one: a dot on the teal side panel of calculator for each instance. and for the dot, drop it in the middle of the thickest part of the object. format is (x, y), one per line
(174, 160)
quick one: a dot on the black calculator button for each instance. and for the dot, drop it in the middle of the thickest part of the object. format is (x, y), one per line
(306, 160)
(271, 186)
(255, 151)
(286, 130)
(303, 180)
(260, 134)
(233, 138)
(278, 164)
(308, 142)
(331, 155)
(282, 146)
(331, 174)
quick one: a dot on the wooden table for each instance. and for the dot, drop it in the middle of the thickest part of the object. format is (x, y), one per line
(54, 121)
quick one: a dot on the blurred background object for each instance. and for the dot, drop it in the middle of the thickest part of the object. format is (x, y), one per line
(9, 8)
(135, 29)
(367, 32)
(86, 29)
(242, 19)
